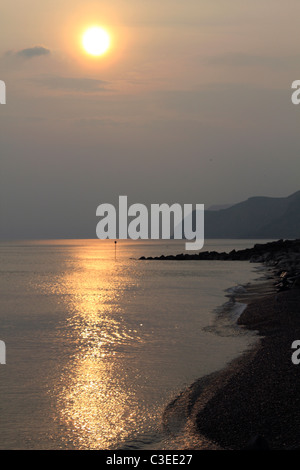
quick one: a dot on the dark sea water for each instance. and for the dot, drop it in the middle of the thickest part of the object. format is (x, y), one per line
(98, 344)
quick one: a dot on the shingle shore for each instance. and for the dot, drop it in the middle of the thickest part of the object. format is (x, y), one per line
(260, 396)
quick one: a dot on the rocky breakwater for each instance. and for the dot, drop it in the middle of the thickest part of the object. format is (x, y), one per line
(281, 256)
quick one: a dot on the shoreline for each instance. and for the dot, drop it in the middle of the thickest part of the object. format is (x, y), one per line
(179, 417)
(254, 402)
(259, 394)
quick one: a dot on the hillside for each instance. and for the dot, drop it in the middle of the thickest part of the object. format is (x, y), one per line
(257, 217)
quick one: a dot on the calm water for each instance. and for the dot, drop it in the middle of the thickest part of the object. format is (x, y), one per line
(98, 346)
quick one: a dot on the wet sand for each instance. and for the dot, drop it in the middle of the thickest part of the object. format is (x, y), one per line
(258, 394)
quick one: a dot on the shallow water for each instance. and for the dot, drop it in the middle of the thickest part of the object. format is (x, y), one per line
(98, 342)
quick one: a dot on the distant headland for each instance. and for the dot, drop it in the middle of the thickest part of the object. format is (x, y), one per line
(256, 218)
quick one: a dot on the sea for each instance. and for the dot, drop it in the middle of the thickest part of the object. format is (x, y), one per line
(99, 343)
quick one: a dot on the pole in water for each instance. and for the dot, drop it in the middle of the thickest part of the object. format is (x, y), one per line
(115, 249)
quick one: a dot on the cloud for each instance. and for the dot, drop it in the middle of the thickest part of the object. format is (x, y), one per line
(78, 84)
(35, 51)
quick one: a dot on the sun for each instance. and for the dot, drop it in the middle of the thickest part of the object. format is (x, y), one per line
(95, 41)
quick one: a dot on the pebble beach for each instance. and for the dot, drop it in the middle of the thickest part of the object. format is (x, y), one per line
(254, 403)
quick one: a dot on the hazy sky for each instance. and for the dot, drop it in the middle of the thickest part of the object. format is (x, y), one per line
(191, 104)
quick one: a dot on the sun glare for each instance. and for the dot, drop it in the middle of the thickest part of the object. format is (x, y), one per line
(95, 41)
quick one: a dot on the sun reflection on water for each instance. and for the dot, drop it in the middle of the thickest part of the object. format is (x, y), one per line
(97, 404)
